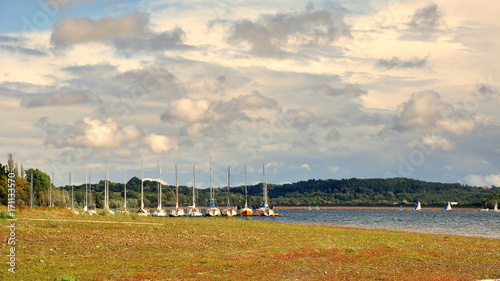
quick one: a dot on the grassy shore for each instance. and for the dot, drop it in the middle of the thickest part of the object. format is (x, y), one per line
(61, 246)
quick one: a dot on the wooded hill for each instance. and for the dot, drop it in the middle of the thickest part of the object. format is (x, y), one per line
(314, 192)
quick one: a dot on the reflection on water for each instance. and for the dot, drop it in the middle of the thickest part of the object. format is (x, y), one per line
(465, 223)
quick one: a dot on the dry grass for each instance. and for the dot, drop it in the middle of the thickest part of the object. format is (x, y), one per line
(232, 249)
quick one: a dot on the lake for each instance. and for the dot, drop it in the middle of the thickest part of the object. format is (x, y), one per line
(465, 223)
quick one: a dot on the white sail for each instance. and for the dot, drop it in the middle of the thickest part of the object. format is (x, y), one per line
(418, 206)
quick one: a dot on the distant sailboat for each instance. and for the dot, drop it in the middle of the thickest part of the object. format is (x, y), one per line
(495, 209)
(72, 192)
(86, 208)
(159, 212)
(125, 211)
(264, 209)
(177, 212)
(309, 208)
(447, 207)
(142, 211)
(317, 207)
(106, 190)
(212, 210)
(245, 211)
(229, 211)
(417, 207)
(193, 211)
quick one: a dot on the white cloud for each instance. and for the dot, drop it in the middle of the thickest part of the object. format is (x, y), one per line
(160, 143)
(187, 110)
(438, 142)
(480, 181)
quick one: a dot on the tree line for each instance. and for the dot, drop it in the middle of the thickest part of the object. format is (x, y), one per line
(352, 191)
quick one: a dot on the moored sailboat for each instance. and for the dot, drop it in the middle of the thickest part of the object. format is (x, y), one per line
(245, 211)
(229, 211)
(447, 207)
(177, 212)
(264, 209)
(212, 211)
(193, 211)
(142, 211)
(159, 212)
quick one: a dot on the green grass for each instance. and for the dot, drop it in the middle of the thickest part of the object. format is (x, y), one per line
(232, 249)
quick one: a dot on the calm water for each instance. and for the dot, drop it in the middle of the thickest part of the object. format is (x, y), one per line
(465, 223)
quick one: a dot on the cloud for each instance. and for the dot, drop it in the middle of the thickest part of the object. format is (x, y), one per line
(272, 32)
(397, 63)
(333, 169)
(426, 110)
(429, 17)
(89, 132)
(14, 45)
(129, 33)
(300, 119)
(56, 98)
(438, 142)
(480, 181)
(255, 100)
(425, 24)
(348, 90)
(187, 110)
(160, 144)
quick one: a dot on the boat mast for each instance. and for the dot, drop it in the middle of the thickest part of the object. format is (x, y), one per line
(158, 164)
(72, 190)
(265, 185)
(86, 184)
(142, 184)
(125, 185)
(228, 185)
(212, 204)
(176, 189)
(194, 184)
(246, 191)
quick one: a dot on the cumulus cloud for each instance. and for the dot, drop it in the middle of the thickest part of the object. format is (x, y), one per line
(255, 100)
(187, 110)
(128, 33)
(160, 143)
(89, 132)
(349, 90)
(271, 32)
(56, 98)
(398, 63)
(480, 181)
(426, 110)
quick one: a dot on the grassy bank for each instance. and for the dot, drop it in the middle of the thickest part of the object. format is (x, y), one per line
(67, 247)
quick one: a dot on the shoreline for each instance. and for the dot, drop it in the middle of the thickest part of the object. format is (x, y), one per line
(405, 208)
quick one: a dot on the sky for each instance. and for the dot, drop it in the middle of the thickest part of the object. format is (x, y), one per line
(311, 89)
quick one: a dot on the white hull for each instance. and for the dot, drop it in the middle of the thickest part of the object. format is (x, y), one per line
(229, 212)
(142, 212)
(194, 212)
(213, 212)
(160, 213)
(177, 213)
(265, 211)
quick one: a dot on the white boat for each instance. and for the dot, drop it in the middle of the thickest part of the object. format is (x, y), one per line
(495, 209)
(246, 211)
(177, 212)
(159, 212)
(193, 211)
(229, 211)
(264, 209)
(86, 209)
(212, 211)
(417, 207)
(142, 211)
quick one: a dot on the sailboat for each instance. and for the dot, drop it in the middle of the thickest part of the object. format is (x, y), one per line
(193, 211)
(245, 211)
(159, 212)
(309, 208)
(212, 210)
(106, 190)
(264, 209)
(229, 211)
(447, 207)
(495, 209)
(317, 207)
(177, 212)
(72, 192)
(91, 205)
(125, 211)
(417, 207)
(142, 211)
(86, 209)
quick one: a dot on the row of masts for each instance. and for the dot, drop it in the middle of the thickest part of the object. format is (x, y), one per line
(264, 209)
